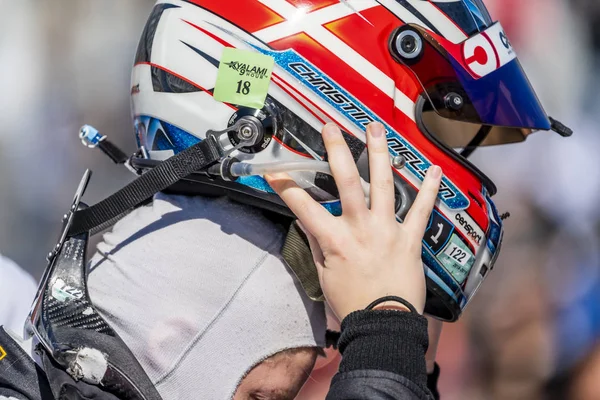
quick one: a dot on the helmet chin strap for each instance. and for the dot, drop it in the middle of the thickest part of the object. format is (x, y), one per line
(483, 133)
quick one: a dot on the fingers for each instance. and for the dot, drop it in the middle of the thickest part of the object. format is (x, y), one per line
(382, 178)
(344, 171)
(419, 213)
(312, 215)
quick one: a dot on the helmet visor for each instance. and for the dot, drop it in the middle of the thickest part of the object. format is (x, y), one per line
(479, 81)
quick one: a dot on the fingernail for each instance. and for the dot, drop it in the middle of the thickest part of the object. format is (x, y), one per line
(435, 171)
(377, 130)
(331, 129)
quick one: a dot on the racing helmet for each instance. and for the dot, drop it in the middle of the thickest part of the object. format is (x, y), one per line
(265, 76)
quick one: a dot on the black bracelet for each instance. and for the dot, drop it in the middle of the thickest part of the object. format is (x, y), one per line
(392, 298)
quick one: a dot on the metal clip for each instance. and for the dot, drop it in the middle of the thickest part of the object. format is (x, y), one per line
(247, 130)
(90, 137)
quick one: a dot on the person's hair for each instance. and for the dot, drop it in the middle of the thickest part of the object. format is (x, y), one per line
(287, 354)
(283, 358)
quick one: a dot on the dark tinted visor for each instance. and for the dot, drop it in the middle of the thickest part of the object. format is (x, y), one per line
(458, 134)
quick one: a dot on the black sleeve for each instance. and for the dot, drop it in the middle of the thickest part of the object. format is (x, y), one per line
(383, 357)
(20, 377)
(432, 382)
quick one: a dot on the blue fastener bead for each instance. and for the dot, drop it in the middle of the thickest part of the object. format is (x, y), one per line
(90, 136)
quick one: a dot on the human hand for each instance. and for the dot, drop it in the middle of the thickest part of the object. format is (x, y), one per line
(364, 254)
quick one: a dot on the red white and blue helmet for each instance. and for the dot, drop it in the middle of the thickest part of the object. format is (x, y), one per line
(441, 76)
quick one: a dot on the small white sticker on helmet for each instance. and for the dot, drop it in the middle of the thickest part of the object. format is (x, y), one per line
(488, 51)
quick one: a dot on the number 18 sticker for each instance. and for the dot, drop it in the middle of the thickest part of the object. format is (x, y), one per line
(244, 77)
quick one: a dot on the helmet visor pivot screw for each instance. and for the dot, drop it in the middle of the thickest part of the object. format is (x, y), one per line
(408, 45)
(246, 132)
(249, 132)
(454, 101)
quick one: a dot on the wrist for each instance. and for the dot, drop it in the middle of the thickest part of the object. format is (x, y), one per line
(392, 306)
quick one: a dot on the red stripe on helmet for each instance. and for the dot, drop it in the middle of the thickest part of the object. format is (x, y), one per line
(286, 87)
(312, 5)
(332, 66)
(207, 33)
(372, 44)
(249, 15)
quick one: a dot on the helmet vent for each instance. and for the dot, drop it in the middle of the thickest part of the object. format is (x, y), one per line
(165, 82)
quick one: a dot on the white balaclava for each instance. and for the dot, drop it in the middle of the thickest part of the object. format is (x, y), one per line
(197, 289)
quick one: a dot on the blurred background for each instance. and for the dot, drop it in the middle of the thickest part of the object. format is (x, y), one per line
(531, 333)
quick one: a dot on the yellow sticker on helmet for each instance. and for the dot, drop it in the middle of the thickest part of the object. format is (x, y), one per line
(243, 78)
(2, 353)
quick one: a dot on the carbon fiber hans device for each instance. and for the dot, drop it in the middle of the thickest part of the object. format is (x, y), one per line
(70, 330)
(90, 360)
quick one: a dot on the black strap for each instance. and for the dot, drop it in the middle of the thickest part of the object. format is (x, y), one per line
(332, 338)
(482, 134)
(113, 152)
(395, 299)
(167, 173)
(432, 382)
